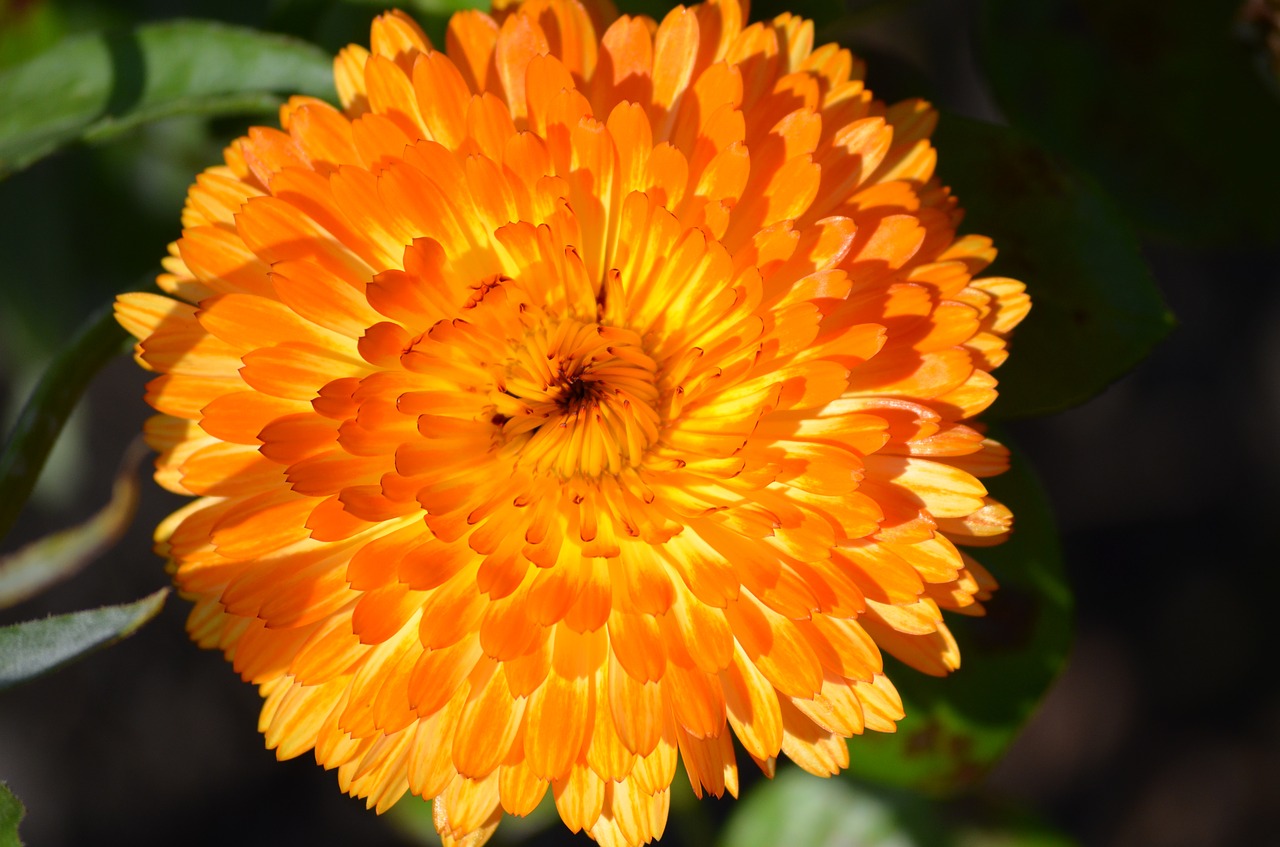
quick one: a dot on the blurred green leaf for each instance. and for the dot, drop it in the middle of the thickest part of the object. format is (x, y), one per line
(45, 561)
(1163, 102)
(957, 727)
(96, 86)
(45, 413)
(32, 648)
(412, 818)
(11, 814)
(25, 30)
(800, 810)
(1095, 310)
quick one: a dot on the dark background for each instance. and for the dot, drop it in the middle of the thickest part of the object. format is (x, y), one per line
(1164, 728)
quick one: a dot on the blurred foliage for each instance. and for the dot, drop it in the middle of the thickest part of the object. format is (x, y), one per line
(26, 32)
(98, 86)
(799, 811)
(11, 814)
(956, 728)
(33, 436)
(1095, 310)
(32, 648)
(87, 224)
(1163, 102)
(36, 566)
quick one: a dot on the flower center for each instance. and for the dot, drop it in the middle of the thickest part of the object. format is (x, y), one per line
(578, 399)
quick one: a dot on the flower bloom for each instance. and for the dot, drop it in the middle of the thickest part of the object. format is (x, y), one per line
(578, 398)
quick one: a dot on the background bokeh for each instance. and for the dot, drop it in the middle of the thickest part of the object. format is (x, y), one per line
(1164, 728)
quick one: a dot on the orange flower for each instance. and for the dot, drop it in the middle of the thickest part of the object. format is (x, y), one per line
(571, 403)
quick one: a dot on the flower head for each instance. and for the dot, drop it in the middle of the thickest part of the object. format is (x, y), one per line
(582, 396)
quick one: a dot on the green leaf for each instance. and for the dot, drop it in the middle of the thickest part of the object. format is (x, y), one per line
(1095, 310)
(1163, 102)
(957, 727)
(96, 86)
(50, 405)
(800, 810)
(11, 814)
(33, 648)
(45, 561)
(24, 32)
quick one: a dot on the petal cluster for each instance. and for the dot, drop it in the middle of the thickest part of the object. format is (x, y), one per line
(579, 398)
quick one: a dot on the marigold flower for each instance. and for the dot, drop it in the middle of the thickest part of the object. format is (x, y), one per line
(572, 403)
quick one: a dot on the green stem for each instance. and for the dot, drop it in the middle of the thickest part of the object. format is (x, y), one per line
(47, 410)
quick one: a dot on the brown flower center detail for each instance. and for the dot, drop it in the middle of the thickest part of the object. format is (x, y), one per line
(578, 399)
(577, 392)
